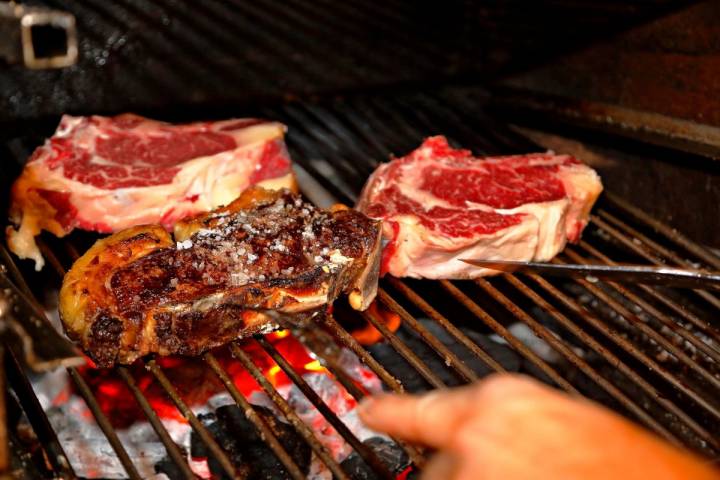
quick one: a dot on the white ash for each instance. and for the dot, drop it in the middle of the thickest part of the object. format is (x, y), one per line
(87, 448)
(91, 455)
(538, 346)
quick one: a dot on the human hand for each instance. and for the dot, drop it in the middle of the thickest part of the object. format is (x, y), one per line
(510, 427)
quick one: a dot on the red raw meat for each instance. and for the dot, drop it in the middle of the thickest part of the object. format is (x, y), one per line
(440, 204)
(109, 173)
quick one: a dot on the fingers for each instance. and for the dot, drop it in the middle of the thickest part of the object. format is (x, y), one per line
(434, 418)
(443, 466)
(431, 418)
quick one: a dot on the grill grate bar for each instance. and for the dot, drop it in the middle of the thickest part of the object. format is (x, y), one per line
(85, 391)
(170, 446)
(404, 351)
(104, 423)
(456, 333)
(262, 428)
(669, 233)
(600, 294)
(650, 256)
(507, 336)
(615, 361)
(289, 413)
(162, 433)
(567, 352)
(349, 342)
(367, 454)
(642, 326)
(706, 328)
(215, 449)
(355, 390)
(654, 247)
(451, 360)
(35, 414)
(664, 319)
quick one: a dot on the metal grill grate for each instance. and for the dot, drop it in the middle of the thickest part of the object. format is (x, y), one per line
(650, 353)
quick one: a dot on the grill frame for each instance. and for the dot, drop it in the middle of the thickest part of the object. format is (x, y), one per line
(362, 130)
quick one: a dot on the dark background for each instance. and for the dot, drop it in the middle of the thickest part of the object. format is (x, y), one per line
(149, 55)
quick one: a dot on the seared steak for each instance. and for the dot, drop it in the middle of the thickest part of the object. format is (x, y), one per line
(265, 259)
(439, 204)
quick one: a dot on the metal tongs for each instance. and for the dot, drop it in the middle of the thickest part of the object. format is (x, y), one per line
(666, 276)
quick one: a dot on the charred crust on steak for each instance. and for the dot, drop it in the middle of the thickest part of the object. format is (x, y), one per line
(267, 258)
(104, 338)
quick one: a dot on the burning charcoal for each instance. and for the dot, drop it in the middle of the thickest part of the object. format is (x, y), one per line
(168, 467)
(252, 457)
(389, 453)
(412, 381)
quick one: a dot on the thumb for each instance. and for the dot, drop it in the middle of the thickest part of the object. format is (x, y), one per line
(432, 418)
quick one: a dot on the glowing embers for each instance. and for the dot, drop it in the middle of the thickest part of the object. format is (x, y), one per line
(367, 334)
(193, 379)
(199, 387)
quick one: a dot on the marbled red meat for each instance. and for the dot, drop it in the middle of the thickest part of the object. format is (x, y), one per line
(439, 204)
(109, 173)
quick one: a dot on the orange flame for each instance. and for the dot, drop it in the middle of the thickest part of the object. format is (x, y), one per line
(368, 334)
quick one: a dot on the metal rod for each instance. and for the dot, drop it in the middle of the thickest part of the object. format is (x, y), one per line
(636, 352)
(642, 326)
(357, 391)
(704, 326)
(103, 423)
(419, 302)
(365, 452)
(629, 348)
(568, 353)
(215, 449)
(172, 449)
(651, 257)
(18, 381)
(665, 320)
(639, 237)
(670, 233)
(404, 351)
(292, 417)
(349, 342)
(84, 389)
(440, 348)
(17, 277)
(508, 337)
(262, 428)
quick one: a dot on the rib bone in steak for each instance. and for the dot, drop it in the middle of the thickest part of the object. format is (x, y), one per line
(440, 204)
(105, 174)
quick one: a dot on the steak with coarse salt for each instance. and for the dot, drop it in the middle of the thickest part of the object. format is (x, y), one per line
(439, 205)
(268, 259)
(105, 174)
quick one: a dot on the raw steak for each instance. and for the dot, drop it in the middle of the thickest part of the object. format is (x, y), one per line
(109, 173)
(439, 205)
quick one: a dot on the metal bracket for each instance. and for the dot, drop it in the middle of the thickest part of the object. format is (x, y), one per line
(40, 38)
(25, 329)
